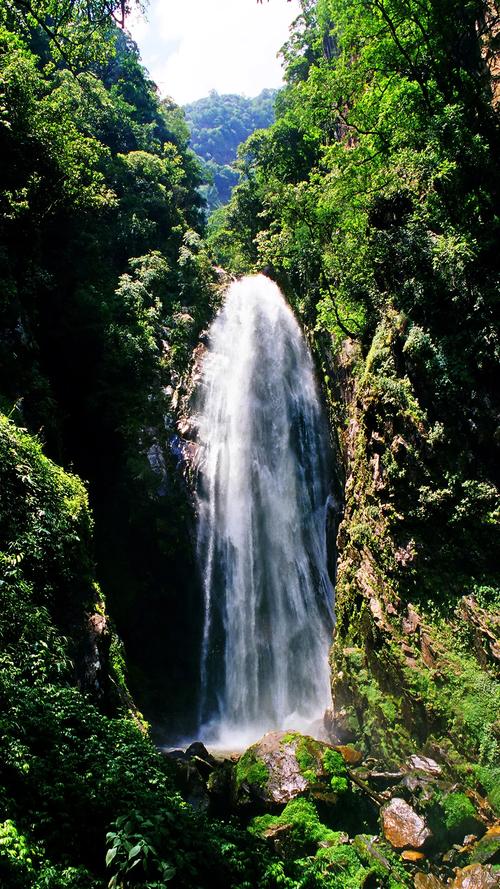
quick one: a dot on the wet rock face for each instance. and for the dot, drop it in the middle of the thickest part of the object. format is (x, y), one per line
(403, 827)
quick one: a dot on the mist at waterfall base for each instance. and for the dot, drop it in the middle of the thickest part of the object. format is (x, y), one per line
(263, 493)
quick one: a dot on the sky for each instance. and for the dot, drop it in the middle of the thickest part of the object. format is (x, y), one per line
(193, 46)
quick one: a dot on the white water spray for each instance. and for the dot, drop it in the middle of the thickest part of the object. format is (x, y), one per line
(263, 492)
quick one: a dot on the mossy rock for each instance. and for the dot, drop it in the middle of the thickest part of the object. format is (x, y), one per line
(300, 826)
(460, 816)
(251, 771)
(452, 816)
(487, 850)
(285, 765)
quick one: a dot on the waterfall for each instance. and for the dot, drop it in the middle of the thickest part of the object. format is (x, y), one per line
(263, 488)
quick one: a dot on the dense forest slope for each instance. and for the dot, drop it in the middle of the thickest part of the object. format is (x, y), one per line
(218, 125)
(105, 283)
(373, 201)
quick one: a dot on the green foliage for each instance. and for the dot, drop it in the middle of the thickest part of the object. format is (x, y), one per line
(71, 774)
(132, 857)
(218, 125)
(105, 284)
(334, 765)
(327, 862)
(16, 856)
(302, 815)
(251, 770)
(44, 519)
(458, 811)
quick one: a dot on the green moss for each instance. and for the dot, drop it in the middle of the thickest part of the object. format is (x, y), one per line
(333, 762)
(261, 823)
(458, 810)
(488, 779)
(346, 866)
(334, 766)
(339, 785)
(251, 770)
(382, 860)
(307, 756)
(494, 799)
(307, 753)
(117, 661)
(340, 867)
(302, 815)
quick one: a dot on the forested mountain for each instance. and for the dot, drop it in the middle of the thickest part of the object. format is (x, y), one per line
(373, 201)
(218, 125)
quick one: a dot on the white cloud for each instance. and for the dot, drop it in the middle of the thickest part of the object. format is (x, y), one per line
(193, 46)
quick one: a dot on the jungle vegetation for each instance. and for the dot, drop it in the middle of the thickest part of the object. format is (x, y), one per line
(218, 125)
(373, 200)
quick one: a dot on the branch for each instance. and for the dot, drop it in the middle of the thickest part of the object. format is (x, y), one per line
(26, 6)
(414, 70)
(344, 329)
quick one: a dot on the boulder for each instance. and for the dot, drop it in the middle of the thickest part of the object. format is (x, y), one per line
(191, 785)
(402, 826)
(204, 761)
(285, 765)
(220, 789)
(424, 764)
(476, 876)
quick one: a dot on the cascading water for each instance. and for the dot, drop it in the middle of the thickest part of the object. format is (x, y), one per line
(263, 495)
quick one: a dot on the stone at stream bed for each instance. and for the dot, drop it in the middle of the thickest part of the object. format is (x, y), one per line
(402, 826)
(424, 764)
(199, 750)
(194, 767)
(412, 855)
(285, 765)
(476, 876)
(427, 881)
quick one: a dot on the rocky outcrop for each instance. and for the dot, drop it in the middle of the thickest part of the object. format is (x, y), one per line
(401, 679)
